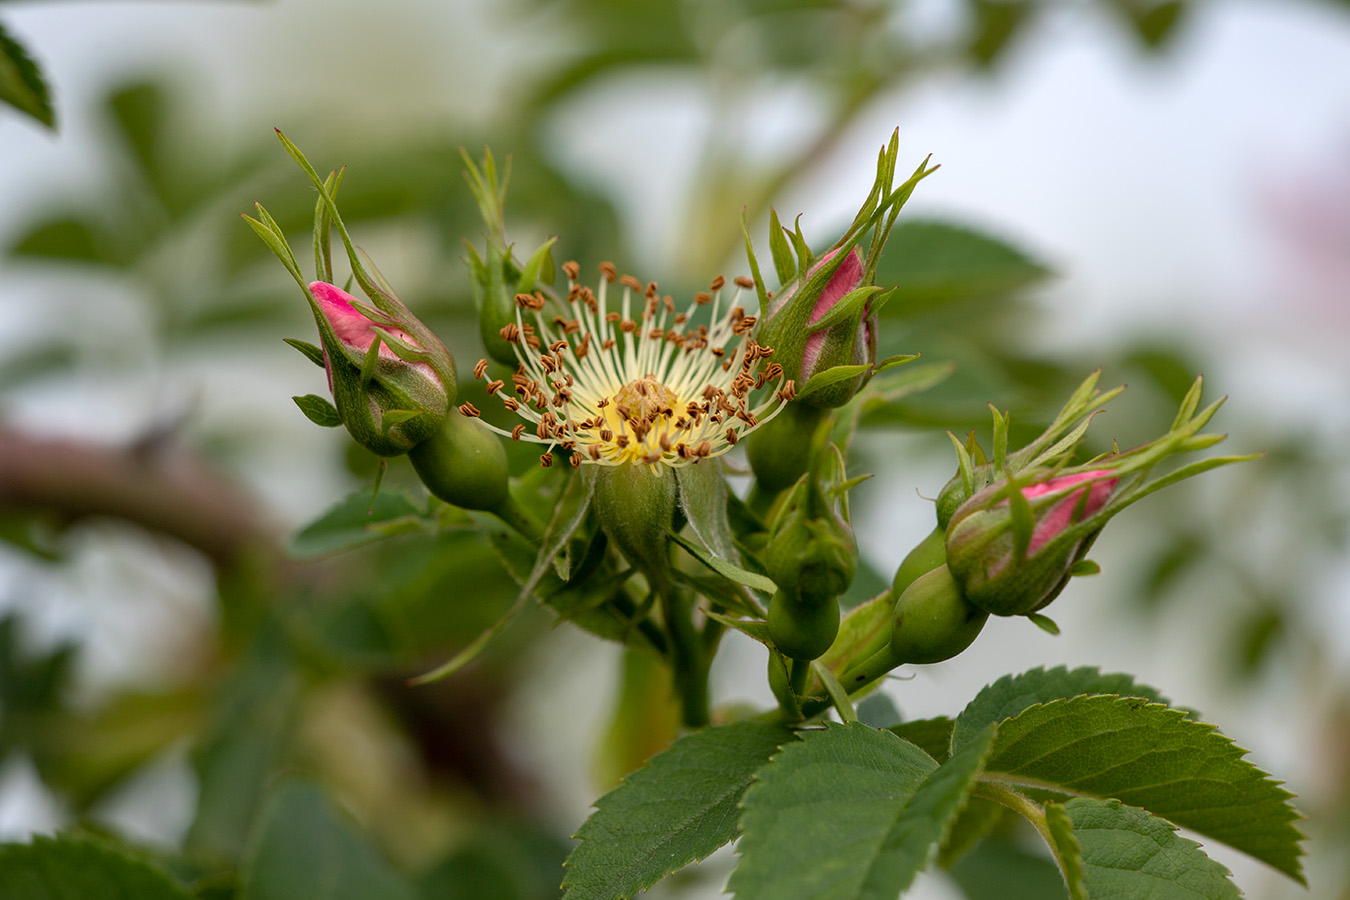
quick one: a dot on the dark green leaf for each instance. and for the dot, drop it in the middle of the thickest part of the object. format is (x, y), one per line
(81, 868)
(1005, 870)
(1131, 855)
(933, 736)
(976, 820)
(304, 847)
(1148, 755)
(352, 523)
(870, 807)
(879, 711)
(930, 263)
(22, 85)
(996, 22)
(681, 807)
(65, 238)
(318, 410)
(1013, 693)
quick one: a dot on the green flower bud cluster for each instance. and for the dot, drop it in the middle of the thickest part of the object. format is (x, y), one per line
(812, 557)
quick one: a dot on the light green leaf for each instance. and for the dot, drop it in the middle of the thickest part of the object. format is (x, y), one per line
(1148, 755)
(1068, 854)
(318, 410)
(1013, 693)
(726, 569)
(303, 847)
(679, 808)
(1131, 855)
(870, 807)
(353, 522)
(22, 85)
(81, 868)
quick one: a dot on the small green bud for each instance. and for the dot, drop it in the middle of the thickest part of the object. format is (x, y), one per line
(926, 556)
(814, 556)
(933, 621)
(779, 451)
(463, 464)
(803, 628)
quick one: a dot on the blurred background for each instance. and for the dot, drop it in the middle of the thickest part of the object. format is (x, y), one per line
(1159, 189)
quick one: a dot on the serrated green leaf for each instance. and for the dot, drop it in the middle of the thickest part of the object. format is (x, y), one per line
(81, 868)
(870, 806)
(1059, 833)
(681, 807)
(1131, 855)
(1148, 755)
(303, 847)
(933, 736)
(22, 85)
(318, 410)
(349, 523)
(1013, 693)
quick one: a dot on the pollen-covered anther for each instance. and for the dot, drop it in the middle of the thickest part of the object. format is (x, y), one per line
(571, 270)
(469, 410)
(480, 368)
(743, 281)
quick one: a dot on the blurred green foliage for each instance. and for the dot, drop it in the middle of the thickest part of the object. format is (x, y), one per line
(307, 633)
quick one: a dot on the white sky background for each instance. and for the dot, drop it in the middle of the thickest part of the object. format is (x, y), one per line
(1148, 184)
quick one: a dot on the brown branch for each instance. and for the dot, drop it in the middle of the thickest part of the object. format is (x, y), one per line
(158, 486)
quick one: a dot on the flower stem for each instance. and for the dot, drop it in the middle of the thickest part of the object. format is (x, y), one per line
(689, 662)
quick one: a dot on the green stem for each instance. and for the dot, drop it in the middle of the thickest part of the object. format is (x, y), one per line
(797, 675)
(689, 663)
(517, 517)
(1025, 807)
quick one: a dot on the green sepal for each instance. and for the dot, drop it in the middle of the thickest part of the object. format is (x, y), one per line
(782, 252)
(318, 410)
(309, 351)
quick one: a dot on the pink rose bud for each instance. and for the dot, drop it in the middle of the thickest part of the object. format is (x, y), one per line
(983, 552)
(395, 399)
